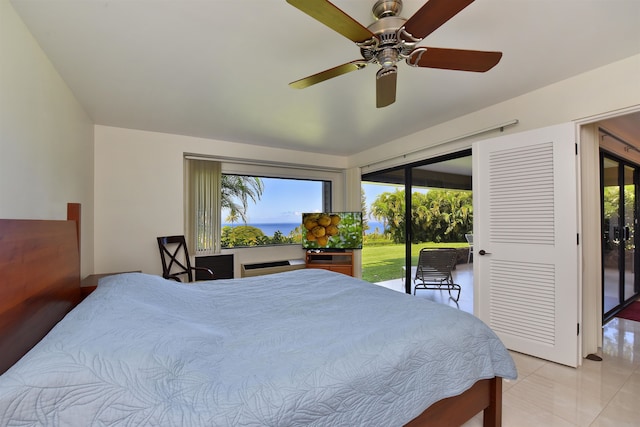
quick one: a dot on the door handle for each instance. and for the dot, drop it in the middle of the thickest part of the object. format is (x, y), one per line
(483, 252)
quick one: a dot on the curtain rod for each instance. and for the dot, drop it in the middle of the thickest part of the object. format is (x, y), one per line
(620, 140)
(267, 163)
(446, 141)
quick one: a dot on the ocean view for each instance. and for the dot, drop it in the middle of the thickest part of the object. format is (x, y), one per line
(285, 228)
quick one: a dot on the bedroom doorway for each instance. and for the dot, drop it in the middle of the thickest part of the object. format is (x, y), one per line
(615, 138)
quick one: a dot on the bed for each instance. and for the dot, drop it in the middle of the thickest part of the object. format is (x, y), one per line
(306, 347)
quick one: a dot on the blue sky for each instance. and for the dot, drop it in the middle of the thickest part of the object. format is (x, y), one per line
(284, 201)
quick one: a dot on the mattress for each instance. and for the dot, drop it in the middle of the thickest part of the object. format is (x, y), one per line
(302, 348)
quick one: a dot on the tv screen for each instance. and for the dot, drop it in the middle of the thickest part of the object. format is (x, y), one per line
(332, 230)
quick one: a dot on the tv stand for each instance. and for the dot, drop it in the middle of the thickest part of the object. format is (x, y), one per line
(338, 261)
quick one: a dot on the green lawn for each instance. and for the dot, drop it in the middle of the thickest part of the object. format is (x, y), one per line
(384, 262)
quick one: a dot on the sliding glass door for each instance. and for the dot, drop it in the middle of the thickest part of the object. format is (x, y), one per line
(619, 219)
(427, 202)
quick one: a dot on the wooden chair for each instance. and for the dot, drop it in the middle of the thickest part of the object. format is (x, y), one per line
(175, 259)
(434, 270)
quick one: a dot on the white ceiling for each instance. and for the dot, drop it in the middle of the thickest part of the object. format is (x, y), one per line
(220, 69)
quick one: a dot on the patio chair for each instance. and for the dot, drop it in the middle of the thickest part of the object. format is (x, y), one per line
(434, 271)
(469, 238)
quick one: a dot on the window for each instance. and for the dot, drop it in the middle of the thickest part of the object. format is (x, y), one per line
(231, 205)
(260, 211)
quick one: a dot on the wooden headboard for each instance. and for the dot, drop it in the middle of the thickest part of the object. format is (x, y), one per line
(40, 270)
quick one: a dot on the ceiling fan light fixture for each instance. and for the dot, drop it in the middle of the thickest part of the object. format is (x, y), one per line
(388, 57)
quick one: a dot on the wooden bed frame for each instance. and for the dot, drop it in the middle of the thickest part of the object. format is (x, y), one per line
(40, 267)
(40, 264)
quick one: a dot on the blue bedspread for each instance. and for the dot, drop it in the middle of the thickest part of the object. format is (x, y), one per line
(303, 348)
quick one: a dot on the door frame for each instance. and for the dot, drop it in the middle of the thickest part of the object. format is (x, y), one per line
(589, 221)
(622, 163)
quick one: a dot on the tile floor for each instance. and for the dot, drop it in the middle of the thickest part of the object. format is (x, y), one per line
(597, 394)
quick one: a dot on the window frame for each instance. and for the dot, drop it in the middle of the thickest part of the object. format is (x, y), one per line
(326, 192)
(336, 178)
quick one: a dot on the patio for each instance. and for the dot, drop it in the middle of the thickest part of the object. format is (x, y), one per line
(462, 275)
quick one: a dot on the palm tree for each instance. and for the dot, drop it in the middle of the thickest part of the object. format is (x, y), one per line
(389, 208)
(236, 192)
(437, 216)
(233, 216)
(363, 208)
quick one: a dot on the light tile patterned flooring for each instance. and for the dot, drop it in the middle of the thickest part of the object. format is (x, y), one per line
(597, 394)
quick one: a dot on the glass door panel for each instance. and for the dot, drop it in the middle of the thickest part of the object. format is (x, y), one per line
(628, 232)
(441, 217)
(383, 254)
(611, 262)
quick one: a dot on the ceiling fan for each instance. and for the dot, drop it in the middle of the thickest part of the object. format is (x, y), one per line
(391, 39)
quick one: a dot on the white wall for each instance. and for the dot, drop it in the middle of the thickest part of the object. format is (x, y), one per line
(609, 88)
(139, 194)
(46, 138)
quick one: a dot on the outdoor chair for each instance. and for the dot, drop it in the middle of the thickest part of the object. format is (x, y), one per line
(434, 270)
(175, 259)
(469, 238)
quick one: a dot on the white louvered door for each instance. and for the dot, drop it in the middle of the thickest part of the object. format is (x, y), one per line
(526, 220)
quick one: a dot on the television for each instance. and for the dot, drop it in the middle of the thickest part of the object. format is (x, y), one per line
(332, 230)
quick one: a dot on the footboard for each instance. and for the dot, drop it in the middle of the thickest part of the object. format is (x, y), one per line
(485, 395)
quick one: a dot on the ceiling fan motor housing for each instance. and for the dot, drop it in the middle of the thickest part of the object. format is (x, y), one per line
(389, 49)
(384, 8)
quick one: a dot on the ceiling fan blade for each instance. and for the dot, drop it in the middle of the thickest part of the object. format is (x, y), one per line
(432, 15)
(386, 86)
(454, 59)
(334, 18)
(328, 74)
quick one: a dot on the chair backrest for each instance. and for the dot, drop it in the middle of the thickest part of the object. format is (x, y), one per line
(435, 265)
(469, 238)
(175, 258)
